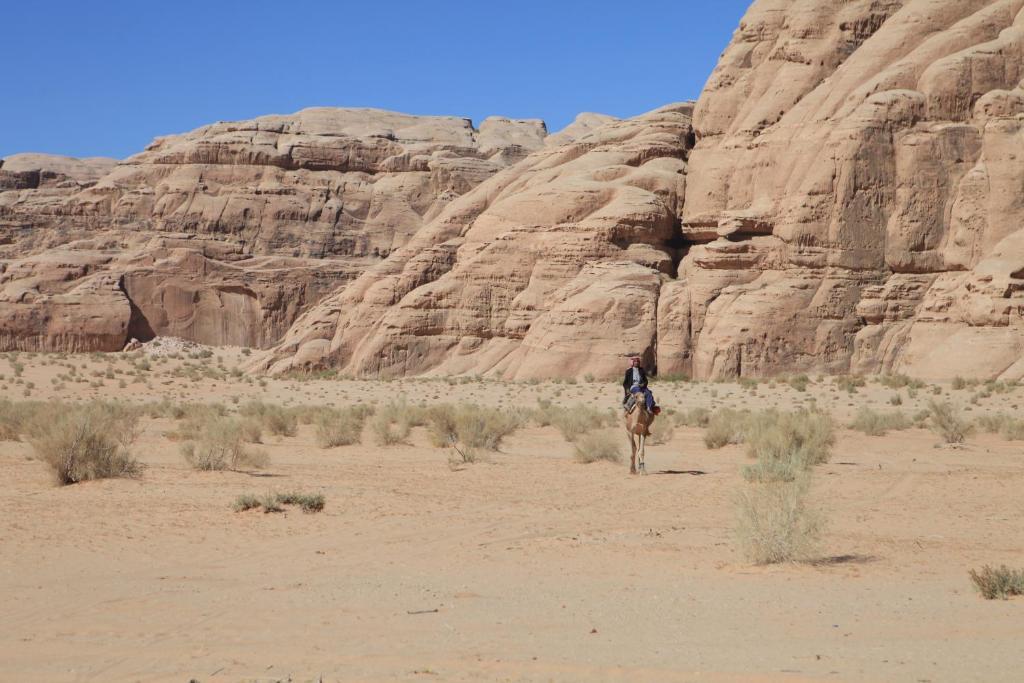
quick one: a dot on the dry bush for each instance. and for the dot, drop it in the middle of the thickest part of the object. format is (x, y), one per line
(875, 423)
(277, 419)
(340, 427)
(219, 444)
(661, 432)
(17, 417)
(998, 582)
(481, 427)
(83, 442)
(471, 425)
(775, 523)
(947, 423)
(799, 382)
(694, 417)
(596, 446)
(1013, 430)
(246, 501)
(786, 444)
(726, 426)
(308, 502)
(390, 425)
(575, 421)
(993, 424)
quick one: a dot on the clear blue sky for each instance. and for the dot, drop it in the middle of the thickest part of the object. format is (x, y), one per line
(105, 77)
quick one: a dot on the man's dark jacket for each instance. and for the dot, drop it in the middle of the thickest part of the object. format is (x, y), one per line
(627, 382)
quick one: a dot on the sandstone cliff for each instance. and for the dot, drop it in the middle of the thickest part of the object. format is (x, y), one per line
(862, 157)
(845, 196)
(225, 234)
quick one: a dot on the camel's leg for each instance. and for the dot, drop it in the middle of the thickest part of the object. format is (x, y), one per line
(632, 454)
(643, 446)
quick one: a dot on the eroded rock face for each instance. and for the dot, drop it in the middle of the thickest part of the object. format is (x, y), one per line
(226, 234)
(866, 153)
(550, 268)
(847, 195)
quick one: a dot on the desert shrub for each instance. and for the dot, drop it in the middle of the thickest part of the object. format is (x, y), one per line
(340, 427)
(83, 442)
(726, 426)
(661, 432)
(471, 425)
(799, 382)
(481, 427)
(275, 502)
(875, 423)
(900, 381)
(850, 383)
(246, 501)
(596, 446)
(17, 417)
(998, 582)
(775, 523)
(277, 419)
(308, 502)
(786, 444)
(575, 421)
(694, 417)
(219, 444)
(389, 430)
(994, 423)
(959, 383)
(947, 423)
(1013, 430)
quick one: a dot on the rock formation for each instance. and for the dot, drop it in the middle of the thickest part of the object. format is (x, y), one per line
(846, 196)
(855, 168)
(225, 234)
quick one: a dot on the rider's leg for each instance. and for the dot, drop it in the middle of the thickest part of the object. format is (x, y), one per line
(649, 399)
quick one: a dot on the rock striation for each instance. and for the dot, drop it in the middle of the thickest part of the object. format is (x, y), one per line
(855, 170)
(226, 234)
(845, 196)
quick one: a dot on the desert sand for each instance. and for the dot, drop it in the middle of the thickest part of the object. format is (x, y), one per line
(524, 566)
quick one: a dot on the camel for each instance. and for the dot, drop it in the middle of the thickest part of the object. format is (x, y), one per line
(638, 424)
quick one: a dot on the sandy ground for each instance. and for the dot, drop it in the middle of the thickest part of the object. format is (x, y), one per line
(525, 567)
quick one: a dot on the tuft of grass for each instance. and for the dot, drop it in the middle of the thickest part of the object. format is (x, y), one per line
(998, 582)
(573, 422)
(875, 423)
(246, 501)
(787, 444)
(275, 502)
(278, 420)
(219, 443)
(308, 502)
(947, 423)
(726, 426)
(775, 523)
(340, 427)
(83, 442)
(694, 417)
(595, 447)
(391, 425)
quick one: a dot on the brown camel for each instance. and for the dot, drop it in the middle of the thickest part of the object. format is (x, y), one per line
(638, 424)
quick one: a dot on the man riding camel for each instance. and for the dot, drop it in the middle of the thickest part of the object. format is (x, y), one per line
(635, 382)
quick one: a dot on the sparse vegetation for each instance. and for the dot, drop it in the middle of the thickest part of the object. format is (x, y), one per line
(574, 422)
(875, 423)
(596, 446)
(726, 426)
(776, 524)
(998, 582)
(945, 422)
(787, 444)
(219, 443)
(275, 502)
(340, 427)
(83, 442)
(694, 417)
